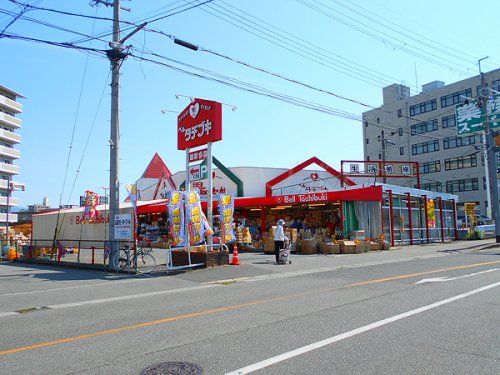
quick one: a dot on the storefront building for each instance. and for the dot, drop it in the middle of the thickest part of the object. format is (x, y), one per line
(320, 199)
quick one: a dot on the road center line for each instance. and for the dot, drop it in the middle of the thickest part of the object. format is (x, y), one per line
(319, 344)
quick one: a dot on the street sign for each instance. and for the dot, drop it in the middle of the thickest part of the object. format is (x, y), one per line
(470, 117)
(123, 226)
(405, 169)
(198, 155)
(199, 123)
(354, 168)
(198, 172)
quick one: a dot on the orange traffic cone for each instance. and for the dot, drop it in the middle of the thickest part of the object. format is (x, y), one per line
(236, 260)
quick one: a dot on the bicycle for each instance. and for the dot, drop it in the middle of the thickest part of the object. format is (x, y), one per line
(143, 261)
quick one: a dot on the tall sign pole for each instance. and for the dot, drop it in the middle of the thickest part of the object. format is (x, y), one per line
(210, 189)
(490, 148)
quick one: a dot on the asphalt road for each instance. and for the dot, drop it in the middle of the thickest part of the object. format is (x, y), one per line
(422, 310)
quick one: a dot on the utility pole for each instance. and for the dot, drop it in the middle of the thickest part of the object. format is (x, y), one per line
(116, 55)
(384, 157)
(490, 148)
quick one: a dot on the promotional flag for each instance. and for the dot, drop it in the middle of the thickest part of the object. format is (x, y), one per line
(132, 195)
(175, 209)
(195, 217)
(90, 202)
(431, 214)
(226, 211)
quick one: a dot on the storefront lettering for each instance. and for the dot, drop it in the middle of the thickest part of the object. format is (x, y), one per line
(198, 130)
(305, 198)
(100, 220)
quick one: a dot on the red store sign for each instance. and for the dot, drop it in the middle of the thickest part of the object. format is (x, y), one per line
(199, 123)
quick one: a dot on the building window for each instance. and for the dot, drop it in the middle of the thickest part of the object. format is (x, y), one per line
(484, 183)
(400, 112)
(460, 162)
(378, 120)
(495, 85)
(424, 127)
(430, 167)
(425, 147)
(367, 141)
(448, 122)
(466, 184)
(427, 106)
(400, 132)
(434, 186)
(379, 156)
(368, 158)
(479, 89)
(455, 98)
(401, 151)
(366, 124)
(454, 142)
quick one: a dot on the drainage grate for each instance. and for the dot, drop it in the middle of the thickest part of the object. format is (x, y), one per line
(173, 368)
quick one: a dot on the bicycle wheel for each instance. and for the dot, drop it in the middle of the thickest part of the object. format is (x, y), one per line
(146, 263)
(122, 261)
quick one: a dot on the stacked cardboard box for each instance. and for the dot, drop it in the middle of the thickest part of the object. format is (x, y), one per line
(329, 248)
(347, 247)
(308, 246)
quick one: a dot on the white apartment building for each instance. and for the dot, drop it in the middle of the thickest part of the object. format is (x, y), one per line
(422, 128)
(9, 125)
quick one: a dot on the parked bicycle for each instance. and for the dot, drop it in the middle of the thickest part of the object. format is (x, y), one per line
(143, 261)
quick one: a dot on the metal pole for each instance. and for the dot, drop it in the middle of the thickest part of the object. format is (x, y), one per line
(8, 209)
(114, 171)
(490, 147)
(489, 213)
(210, 194)
(391, 217)
(410, 219)
(382, 136)
(188, 188)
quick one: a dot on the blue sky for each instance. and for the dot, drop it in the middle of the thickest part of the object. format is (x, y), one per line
(262, 131)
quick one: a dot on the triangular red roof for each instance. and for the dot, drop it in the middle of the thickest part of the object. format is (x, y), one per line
(301, 166)
(156, 168)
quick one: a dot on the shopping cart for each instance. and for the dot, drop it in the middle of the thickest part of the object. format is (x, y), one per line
(284, 256)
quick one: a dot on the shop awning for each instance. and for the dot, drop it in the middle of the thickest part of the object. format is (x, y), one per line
(372, 193)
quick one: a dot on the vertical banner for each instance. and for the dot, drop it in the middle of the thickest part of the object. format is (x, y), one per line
(175, 208)
(195, 217)
(91, 200)
(226, 210)
(431, 214)
(132, 195)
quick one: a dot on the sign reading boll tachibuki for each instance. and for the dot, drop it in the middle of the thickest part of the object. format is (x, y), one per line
(199, 123)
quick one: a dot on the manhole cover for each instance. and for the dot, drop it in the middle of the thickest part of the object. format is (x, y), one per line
(173, 368)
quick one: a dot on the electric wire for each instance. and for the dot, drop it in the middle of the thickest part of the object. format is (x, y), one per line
(405, 47)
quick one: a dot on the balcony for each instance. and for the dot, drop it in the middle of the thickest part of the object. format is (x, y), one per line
(10, 120)
(10, 152)
(9, 168)
(10, 104)
(12, 201)
(15, 185)
(10, 136)
(12, 218)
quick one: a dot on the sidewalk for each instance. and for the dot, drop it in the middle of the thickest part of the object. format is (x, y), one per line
(261, 265)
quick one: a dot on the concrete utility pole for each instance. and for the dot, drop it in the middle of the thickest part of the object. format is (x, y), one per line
(116, 55)
(490, 149)
(384, 157)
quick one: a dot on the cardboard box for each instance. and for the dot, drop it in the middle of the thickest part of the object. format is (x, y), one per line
(347, 247)
(308, 247)
(374, 246)
(329, 248)
(360, 248)
(269, 245)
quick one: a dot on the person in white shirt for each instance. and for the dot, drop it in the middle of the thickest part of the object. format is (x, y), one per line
(279, 239)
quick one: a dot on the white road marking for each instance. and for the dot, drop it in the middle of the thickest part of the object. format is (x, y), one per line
(305, 349)
(129, 297)
(442, 279)
(2, 314)
(111, 282)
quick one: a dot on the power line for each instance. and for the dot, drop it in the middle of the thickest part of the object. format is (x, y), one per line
(402, 47)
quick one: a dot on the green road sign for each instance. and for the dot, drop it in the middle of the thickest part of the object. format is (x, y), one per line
(470, 117)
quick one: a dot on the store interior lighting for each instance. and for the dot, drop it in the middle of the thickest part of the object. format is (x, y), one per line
(317, 204)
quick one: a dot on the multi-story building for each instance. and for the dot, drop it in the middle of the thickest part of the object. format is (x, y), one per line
(9, 125)
(422, 128)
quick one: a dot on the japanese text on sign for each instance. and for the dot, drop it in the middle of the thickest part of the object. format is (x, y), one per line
(198, 155)
(123, 226)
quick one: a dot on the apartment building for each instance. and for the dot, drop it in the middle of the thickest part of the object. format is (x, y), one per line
(9, 126)
(422, 128)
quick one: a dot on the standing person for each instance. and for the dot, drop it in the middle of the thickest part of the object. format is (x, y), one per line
(279, 239)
